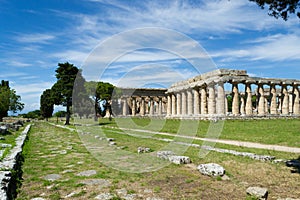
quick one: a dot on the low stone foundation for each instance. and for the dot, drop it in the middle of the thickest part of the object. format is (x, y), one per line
(11, 168)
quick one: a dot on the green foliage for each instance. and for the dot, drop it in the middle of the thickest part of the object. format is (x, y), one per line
(280, 8)
(101, 94)
(46, 104)
(9, 100)
(32, 114)
(63, 89)
(15, 104)
(4, 99)
(60, 114)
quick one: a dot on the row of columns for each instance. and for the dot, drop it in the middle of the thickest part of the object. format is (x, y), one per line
(150, 107)
(211, 99)
(203, 100)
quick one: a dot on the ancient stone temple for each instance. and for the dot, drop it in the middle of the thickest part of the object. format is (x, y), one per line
(220, 93)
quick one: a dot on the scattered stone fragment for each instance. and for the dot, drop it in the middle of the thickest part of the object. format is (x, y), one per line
(225, 178)
(2, 138)
(180, 159)
(104, 196)
(68, 171)
(71, 194)
(211, 169)
(38, 198)
(80, 163)
(154, 198)
(69, 147)
(101, 182)
(112, 144)
(87, 173)
(52, 177)
(279, 161)
(97, 136)
(143, 150)
(258, 192)
(287, 199)
(165, 154)
(244, 154)
(110, 139)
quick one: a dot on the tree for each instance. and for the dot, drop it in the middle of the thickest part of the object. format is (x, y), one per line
(280, 8)
(46, 104)
(63, 88)
(32, 114)
(9, 100)
(100, 93)
(4, 98)
(15, 103)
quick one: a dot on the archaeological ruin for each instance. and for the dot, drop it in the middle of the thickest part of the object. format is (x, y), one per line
(220, 93)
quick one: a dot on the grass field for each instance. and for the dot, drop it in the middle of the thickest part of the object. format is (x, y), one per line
(276, 131)
(53, 150)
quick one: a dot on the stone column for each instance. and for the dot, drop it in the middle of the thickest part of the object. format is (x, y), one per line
(203, 101)
(173, 98)
(196, 102)
(159, 106)
(190, 102)
(151, 113)
(285, 100)
(169, 105)
(178, 106)
(248, 109)
(296, 105)
(226, 105)
(211, 99)
(273, 106)
(221, 99)
(261, 100)
(142, 106)
(125, 107)
(266, 106)
(235, 99)
(183, 103)
(133, 107)
(242, 109)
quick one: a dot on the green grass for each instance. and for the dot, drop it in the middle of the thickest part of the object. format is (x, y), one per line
(267, 131)
(181, 182)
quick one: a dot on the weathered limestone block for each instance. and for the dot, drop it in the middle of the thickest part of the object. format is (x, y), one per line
(211, 169)
(258, 192)
(180, 159)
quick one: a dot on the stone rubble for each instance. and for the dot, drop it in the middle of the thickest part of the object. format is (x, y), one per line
(258, 192)
(87, 173)
(143, 150)
(211, 169)
(170, 155)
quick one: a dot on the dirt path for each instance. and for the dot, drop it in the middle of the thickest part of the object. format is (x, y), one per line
(229, 142)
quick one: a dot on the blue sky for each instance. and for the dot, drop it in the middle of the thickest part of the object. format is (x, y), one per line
(37, 34)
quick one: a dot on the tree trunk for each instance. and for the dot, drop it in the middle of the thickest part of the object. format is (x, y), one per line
(68, 114)
(96, 110)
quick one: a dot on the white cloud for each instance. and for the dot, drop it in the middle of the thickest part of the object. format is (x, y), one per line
(277, 47)
(34, 38)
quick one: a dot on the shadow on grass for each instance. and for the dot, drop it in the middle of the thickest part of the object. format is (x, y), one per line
(294, 164)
